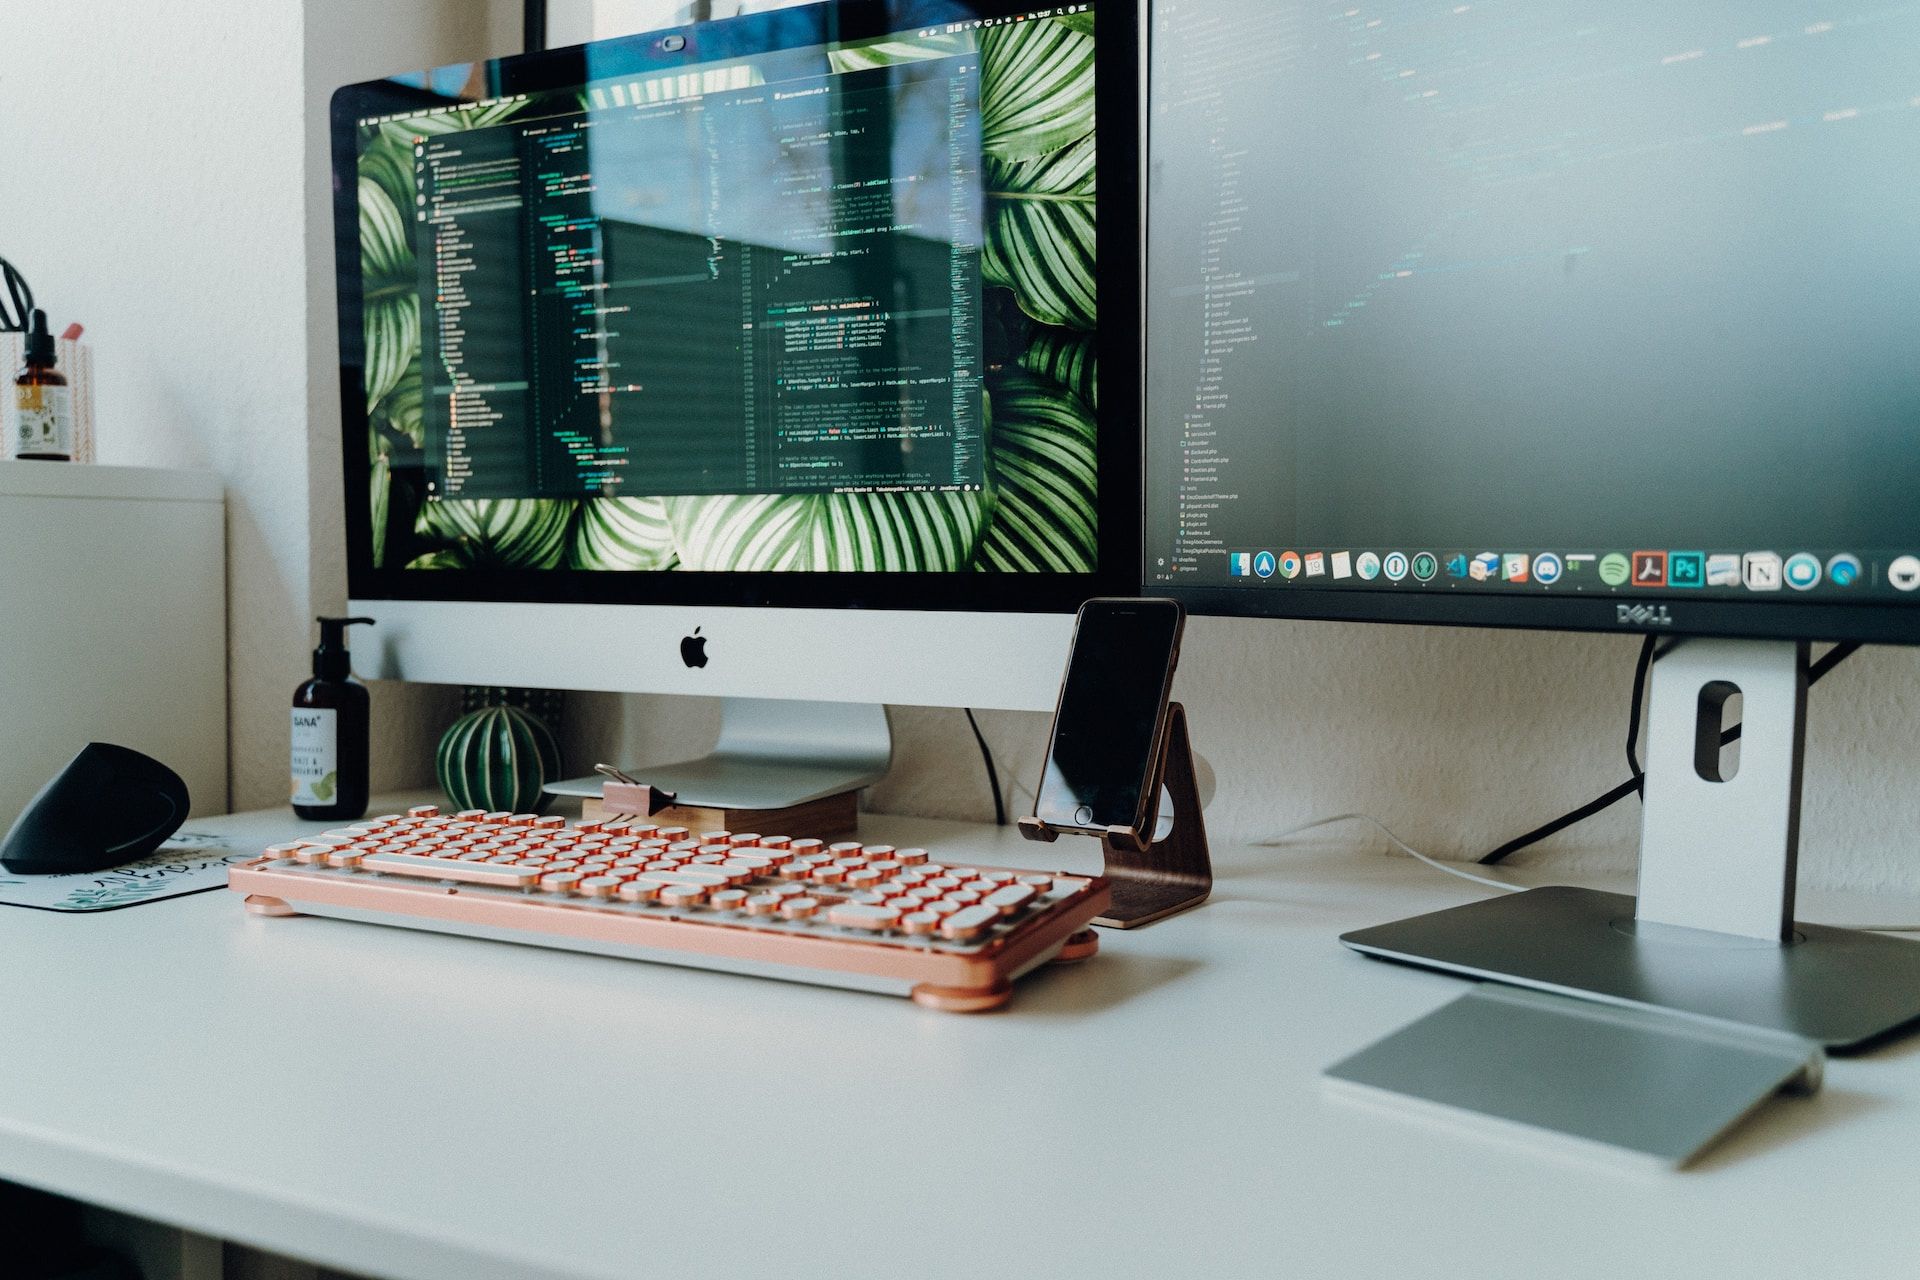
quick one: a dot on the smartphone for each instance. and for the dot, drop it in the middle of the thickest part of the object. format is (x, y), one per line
(1105, 750)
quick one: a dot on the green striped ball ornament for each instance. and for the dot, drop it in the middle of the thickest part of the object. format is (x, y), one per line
(498, 758)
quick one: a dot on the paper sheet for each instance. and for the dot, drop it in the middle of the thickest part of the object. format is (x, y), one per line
(191, 862)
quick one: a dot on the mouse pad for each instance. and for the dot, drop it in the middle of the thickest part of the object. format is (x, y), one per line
(191, 862)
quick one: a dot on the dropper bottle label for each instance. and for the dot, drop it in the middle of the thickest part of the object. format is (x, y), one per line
(43, 422)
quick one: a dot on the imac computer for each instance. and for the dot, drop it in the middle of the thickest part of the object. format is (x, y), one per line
(1563, 315)
(760, 358)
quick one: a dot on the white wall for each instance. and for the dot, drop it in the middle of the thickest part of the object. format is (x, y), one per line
(177, 170)
(576, 21)
(166, 186)
(154, 193)
(1456, 739)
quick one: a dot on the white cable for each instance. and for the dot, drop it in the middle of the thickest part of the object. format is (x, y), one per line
(1437, 865)
(1402, 845)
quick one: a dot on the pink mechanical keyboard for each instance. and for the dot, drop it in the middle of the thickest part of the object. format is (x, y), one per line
(869, 917)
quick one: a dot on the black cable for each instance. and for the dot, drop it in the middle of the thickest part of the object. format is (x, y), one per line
(993, 773)
(1640, 670)
(16, 319)
(1600, 804)
(534, 25)
(1831, 659)
(1632, 786)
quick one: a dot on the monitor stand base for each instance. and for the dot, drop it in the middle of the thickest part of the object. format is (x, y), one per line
(771, 755)
(1843, 988)
(1712, 930)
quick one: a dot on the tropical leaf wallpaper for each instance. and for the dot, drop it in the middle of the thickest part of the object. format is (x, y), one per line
(1039, 510)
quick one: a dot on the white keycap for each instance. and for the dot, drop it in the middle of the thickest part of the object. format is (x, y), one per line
(969, 923)
(1010, 899)
(402, 864)
(854, 915)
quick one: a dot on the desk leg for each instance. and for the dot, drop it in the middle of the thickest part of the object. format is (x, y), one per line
(160, 1252)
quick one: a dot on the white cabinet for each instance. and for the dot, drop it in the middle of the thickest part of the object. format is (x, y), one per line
(113, 623)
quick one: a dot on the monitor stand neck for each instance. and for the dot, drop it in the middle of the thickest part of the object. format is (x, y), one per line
(1720, 823)
(773, 755)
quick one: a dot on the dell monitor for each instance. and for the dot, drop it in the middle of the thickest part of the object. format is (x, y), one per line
(760, 358)
(1569, 315)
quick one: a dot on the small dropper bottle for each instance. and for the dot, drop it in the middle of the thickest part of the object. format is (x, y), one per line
(39, 419)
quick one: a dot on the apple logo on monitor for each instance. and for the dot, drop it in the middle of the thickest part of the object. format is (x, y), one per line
(693, 649)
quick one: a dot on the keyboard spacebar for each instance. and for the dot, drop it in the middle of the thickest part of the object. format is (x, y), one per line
(407, 864)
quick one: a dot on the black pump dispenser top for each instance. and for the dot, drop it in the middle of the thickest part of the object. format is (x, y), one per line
(39, 347)
(330, 660)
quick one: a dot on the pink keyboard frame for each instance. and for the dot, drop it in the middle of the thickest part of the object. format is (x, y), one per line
(965, 981)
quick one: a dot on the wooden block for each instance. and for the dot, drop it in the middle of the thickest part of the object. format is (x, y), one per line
(836, 815)
(636, 798)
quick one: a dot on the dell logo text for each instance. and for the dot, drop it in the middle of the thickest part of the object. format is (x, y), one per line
(1643, 615)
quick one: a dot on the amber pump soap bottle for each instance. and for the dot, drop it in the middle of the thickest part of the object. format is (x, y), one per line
(40, 424)
(330, 732)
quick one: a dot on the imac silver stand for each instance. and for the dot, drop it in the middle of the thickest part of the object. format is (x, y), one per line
(773, 755)
(1712, 931)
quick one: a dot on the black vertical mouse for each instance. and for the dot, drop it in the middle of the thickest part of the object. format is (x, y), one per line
(108, 807)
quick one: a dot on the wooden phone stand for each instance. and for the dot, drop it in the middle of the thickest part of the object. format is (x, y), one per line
(1153, 879)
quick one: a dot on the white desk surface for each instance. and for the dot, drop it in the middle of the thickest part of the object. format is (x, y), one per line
(413, 1106)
